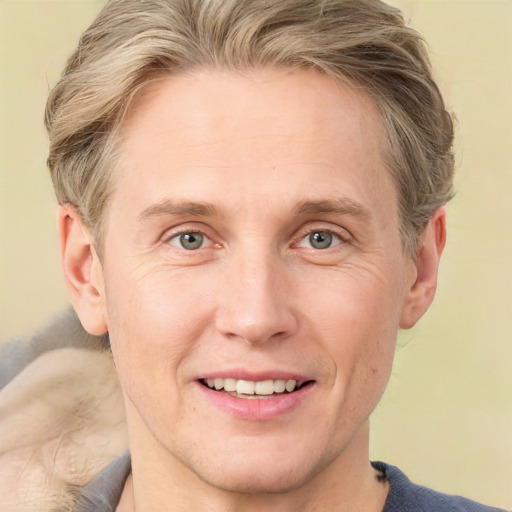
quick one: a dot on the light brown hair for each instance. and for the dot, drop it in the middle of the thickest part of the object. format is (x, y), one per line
(364, 42)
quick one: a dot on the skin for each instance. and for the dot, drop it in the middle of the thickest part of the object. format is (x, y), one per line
(275, 155)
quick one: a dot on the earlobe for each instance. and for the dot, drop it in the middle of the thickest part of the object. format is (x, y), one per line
(82, 269)
(430, 247)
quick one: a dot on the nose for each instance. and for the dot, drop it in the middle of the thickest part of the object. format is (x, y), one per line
(254, 303)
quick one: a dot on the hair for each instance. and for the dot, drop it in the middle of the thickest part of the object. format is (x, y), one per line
(363, 42)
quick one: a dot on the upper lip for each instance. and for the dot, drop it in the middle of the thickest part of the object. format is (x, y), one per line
(244, 374)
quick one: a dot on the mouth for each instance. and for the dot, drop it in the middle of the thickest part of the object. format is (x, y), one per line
(248, 389)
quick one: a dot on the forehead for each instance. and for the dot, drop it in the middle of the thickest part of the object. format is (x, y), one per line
(266, 101)
(266, 133)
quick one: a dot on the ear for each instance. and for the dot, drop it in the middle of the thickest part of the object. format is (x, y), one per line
(430, 246)
(82, 269)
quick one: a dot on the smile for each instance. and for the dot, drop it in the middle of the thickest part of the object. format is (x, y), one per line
(253, 389)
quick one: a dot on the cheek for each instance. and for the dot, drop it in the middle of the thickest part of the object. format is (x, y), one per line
(154, 318)
(357, 323)
(359, 310)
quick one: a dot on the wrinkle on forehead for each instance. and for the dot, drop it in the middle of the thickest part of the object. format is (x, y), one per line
(215, 143)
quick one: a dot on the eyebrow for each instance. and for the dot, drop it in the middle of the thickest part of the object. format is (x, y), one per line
(342, 206)
(168, 207)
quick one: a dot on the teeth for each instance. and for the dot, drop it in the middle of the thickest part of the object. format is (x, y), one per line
(264, 387)
(290, 385)
(245, 387)
(279, 386)
(229, 384)
(249, 387)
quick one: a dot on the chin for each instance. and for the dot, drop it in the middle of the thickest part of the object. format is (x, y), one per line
(274, 473)
(252, 482)
(254, 463)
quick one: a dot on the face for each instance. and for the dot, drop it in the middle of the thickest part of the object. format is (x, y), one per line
(252, 245)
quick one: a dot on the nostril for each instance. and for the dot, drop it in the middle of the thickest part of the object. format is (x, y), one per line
(254, 313)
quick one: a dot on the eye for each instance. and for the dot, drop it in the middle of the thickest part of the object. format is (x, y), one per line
(189, 241)
(320, 240)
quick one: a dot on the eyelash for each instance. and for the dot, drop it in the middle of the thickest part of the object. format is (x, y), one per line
(176, 236)
(340, 238)
(337, 238)
(328, 235)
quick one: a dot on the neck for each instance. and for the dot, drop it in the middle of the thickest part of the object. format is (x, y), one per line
(348, 483)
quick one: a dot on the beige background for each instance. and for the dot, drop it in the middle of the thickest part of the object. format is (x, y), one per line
(446, 418)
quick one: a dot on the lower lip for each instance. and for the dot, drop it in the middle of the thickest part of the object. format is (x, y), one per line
(256, 409)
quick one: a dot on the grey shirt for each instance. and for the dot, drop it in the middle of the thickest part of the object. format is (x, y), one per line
(104, 492)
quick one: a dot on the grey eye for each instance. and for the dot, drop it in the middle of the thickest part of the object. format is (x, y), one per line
(320, 240)
(188, 241)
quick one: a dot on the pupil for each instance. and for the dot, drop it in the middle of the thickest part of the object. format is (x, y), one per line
(320, 240)
(191, 241)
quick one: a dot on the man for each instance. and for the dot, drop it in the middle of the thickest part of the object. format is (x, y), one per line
(251, 206)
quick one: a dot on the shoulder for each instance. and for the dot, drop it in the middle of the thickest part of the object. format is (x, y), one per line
(406, 496)
(103, 493)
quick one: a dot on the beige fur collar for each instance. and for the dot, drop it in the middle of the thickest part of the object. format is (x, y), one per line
(61, 421)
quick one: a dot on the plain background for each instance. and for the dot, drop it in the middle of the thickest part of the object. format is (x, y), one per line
(446, 418)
